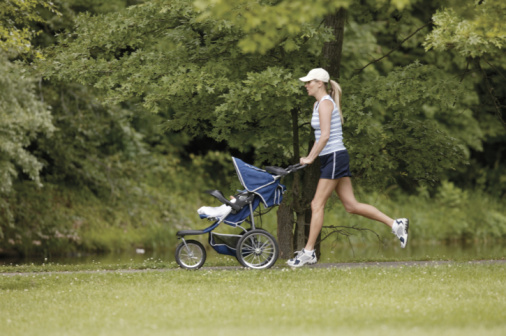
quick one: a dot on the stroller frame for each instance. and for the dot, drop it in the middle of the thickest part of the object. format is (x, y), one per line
(254, 247)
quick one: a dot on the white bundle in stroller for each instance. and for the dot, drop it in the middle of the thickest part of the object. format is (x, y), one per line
(214, 212)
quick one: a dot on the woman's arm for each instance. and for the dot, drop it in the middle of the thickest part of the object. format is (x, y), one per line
(325, 113)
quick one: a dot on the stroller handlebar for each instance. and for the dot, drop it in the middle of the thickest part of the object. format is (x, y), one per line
(295, 167)
(284, 171)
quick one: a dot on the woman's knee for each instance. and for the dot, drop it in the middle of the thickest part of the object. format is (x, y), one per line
(317, 205)
(351, 208)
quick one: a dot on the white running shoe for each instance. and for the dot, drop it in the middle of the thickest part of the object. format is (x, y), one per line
(303, 257)
(400, 229)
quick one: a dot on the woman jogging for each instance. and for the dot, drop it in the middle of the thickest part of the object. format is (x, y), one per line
(335, 175)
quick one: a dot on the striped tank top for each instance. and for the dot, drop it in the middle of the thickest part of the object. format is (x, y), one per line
(335, 142)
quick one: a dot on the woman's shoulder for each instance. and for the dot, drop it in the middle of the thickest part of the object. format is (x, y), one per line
(327, 103)
(327, 98)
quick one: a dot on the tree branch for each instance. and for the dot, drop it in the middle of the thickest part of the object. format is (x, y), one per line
(396, 48)
(494, 67)
(345, 231)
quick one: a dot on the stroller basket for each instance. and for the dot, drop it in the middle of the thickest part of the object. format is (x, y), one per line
(224, 243)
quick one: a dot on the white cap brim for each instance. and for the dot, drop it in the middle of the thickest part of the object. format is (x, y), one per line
(306, 79)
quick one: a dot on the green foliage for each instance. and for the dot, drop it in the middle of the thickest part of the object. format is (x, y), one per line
(458, 215)
(162, 53)
(23, 117)
(411, 124)
(15, 17)
(213, 170)
(267, 24)
(94, 146)
(111, 155)
(474, 34)
(146, 212)
(256, 112)
(215, 89)
(146, 51)
(451, 196)
(474, 29)
(228, 70)
(180, 66)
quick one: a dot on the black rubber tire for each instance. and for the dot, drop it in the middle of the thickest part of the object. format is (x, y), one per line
(191, 256)
(257, 249)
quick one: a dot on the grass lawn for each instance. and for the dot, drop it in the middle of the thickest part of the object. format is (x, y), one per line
(452, 299)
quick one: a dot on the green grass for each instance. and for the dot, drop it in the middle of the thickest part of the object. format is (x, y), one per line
(453, 299)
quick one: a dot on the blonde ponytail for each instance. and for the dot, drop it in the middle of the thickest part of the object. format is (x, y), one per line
(335, 93)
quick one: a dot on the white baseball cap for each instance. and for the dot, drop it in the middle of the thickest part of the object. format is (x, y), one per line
(318, 74)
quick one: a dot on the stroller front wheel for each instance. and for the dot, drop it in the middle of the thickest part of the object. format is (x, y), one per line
(191, 255)
(257, 249)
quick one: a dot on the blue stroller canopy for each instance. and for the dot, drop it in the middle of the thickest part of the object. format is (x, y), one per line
(260, 182)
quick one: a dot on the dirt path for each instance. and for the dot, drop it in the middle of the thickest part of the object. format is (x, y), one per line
(319, 265)
(405, 263)
(378, 264)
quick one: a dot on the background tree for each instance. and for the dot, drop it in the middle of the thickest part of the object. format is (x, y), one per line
(97, 168)
(22, 115)
(474, 35)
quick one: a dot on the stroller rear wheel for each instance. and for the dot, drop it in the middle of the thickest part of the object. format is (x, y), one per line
(191, 255)
(257, 249)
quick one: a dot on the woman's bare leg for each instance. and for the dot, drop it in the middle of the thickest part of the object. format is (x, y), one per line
(323, 192)
(344, 190)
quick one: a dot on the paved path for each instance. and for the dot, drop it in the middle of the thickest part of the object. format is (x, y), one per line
(319, 265)
(406, 263)
(379, 264)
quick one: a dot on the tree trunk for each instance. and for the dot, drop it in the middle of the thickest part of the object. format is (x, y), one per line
(303, 191)
(285, 218)
(333, 50)
(285, 230)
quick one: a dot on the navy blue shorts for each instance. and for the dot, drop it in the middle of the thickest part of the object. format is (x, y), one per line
(335, 165)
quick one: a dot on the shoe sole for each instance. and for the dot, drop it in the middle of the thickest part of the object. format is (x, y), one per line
(407, 229)
(308, 263)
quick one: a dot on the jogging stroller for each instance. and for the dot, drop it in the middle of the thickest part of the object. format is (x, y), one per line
(253, 247)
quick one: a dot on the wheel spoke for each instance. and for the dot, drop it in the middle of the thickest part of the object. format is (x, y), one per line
(249, 248)
(254, 243)
(258, 250)
(190, 255)
(265, 243)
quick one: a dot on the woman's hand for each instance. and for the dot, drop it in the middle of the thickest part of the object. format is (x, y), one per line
(305, 161)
